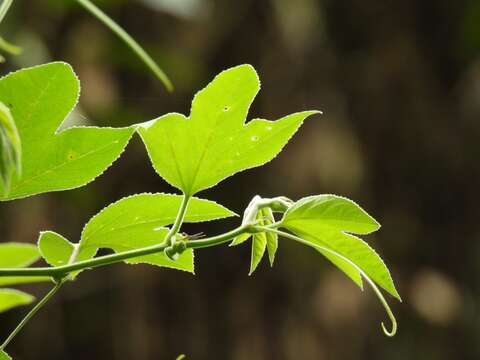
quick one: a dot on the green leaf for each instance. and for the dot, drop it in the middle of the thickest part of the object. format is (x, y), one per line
(40, 98)
(13, 255)
(325, 220)
(272, 238)
(54, 248)
(330, 212)
(136, 222)
(259, 245)
(10, 147)
(240, 239)
(4, 356)
(197, 152)
(10, 299)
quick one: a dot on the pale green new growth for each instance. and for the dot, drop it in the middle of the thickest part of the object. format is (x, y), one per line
(327, 220)
(262, 241)
(259, 245)
(272, 238)
(40, 98)
(4, 356)
(54, 248)
(213, 143)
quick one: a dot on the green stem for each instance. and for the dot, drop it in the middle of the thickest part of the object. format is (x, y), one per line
(31, 314)
(64, 270)
(134, 46)
(178, 221)
(377, 291)
(4, 8)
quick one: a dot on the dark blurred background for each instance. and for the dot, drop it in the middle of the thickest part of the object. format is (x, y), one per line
(399, 84)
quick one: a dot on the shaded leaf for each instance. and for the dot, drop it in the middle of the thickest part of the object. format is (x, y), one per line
(14, 255)
(10, 299)
(10, 147)
(324, 220)
(213, 143)
(40, 98)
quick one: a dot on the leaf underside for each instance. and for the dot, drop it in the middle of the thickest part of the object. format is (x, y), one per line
(213, 143)
(39, 99)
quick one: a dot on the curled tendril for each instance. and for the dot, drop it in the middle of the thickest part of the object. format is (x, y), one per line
(376, 290)
(384, 303)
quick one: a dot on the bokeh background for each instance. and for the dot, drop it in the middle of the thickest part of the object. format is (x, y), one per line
(399, 84)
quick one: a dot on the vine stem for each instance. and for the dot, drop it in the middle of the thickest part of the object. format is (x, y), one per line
(131, 43)
(178, 220)
(31, 314)
(62, 271)
(377, 291)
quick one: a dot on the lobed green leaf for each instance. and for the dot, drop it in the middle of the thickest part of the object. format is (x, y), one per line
(327, 220)
(39, 99)
(213, 143)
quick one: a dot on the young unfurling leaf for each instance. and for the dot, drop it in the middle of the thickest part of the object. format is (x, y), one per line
(272, 238)
(39, 99)
(329, 221)
(213, 143)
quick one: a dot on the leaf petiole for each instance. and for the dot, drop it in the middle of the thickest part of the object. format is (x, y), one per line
(64, 270)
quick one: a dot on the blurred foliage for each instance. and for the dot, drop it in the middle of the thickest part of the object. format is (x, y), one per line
(399, 85)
